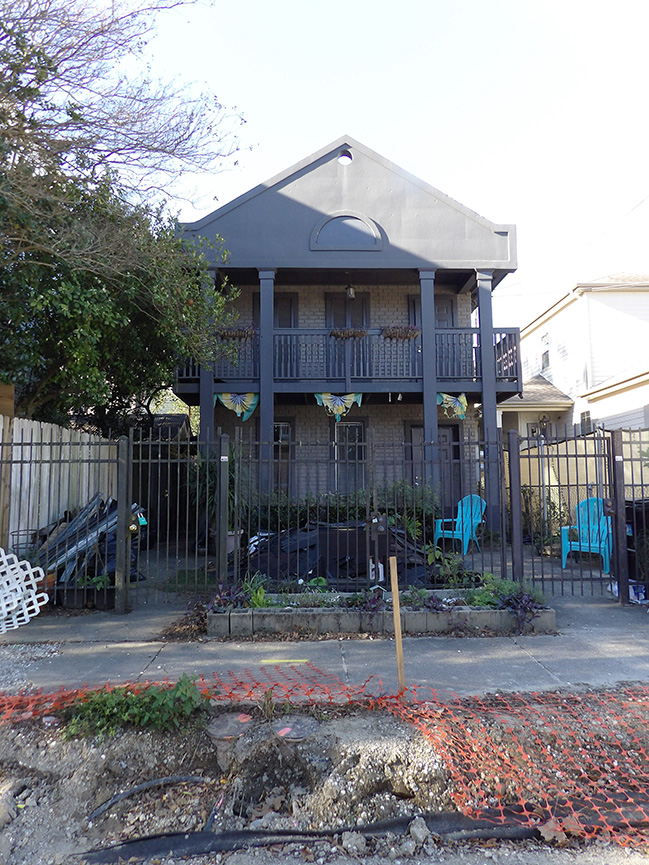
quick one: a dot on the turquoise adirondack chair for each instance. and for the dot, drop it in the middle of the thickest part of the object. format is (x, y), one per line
(470, 510)
(593, 530)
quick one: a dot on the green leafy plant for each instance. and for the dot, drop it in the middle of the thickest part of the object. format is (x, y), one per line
(368, 601)
(162, 707)
(418, 598)
(409, 522)
(228, 597)
(524, 601)
(309, 597)
(249, 593)
(203, 480)
(318, 584)
(413, 508)
(253, 588)
(413, 597)
(267, 705)
(450, 568)
(96, 581)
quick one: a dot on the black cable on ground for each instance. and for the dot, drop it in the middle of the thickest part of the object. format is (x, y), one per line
(146, 785)
(192, 844)
(448, 825)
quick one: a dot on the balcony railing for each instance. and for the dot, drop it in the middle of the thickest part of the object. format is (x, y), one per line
(314, 355)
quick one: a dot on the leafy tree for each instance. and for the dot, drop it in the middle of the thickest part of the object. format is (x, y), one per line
(99, 296)
(73, 340)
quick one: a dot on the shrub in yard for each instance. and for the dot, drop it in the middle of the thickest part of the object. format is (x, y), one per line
(524, 601)
(161, 707)
(417, 598)
(368, 601)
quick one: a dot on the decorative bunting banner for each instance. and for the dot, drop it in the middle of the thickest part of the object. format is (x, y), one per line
(243, 403)
(453, 406)
(338, 404)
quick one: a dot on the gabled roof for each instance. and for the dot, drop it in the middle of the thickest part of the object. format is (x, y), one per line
(538, 393)
(625, 280)
(619, 282)
(348, 207)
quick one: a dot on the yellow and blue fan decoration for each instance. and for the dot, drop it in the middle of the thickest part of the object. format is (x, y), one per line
(453, 406)
(338, 404)
(242, 403)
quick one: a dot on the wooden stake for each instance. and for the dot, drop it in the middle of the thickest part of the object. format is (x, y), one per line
(396, 612)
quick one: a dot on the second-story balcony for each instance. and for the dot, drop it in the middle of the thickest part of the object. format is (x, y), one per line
(314, 359)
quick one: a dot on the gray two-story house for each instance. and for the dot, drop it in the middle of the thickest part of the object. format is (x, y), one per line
(365, 307)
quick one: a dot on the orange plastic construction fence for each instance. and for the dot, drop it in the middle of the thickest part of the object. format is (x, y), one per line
(566, 763)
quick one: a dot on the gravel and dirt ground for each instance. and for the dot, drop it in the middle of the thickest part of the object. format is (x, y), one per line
(345, 768)
(354, 768)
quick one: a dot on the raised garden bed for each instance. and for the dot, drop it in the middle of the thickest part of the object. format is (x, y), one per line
(332, 620)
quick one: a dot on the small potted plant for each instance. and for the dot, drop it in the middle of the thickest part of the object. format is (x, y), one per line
(238, 331)
(348, 333)
(400, 331)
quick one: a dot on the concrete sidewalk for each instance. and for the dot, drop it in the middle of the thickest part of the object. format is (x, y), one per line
(600, 643)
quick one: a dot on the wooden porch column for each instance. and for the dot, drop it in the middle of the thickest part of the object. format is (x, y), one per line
(484, 280)
(266, 373)
(429, 372)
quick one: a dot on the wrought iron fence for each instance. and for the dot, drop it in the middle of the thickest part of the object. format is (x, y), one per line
(158, 518)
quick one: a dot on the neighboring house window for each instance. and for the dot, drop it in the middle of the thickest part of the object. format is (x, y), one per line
(284, 309)
(349, 456)
(343, 311)
(545, 360)
(585, 422)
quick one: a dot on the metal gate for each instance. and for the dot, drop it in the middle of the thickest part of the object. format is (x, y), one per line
(558, 480)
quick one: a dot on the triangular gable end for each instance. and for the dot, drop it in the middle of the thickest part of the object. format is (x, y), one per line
(348, 207)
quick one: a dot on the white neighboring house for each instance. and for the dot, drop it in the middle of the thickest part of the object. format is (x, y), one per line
(593, 345)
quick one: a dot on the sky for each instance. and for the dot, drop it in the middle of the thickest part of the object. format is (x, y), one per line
(532, 113)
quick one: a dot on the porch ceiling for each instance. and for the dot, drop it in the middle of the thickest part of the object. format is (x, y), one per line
(457, 280)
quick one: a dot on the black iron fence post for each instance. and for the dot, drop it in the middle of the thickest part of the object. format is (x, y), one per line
(515, 505)
(123, 551)
(221, 528)
(618, 518)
